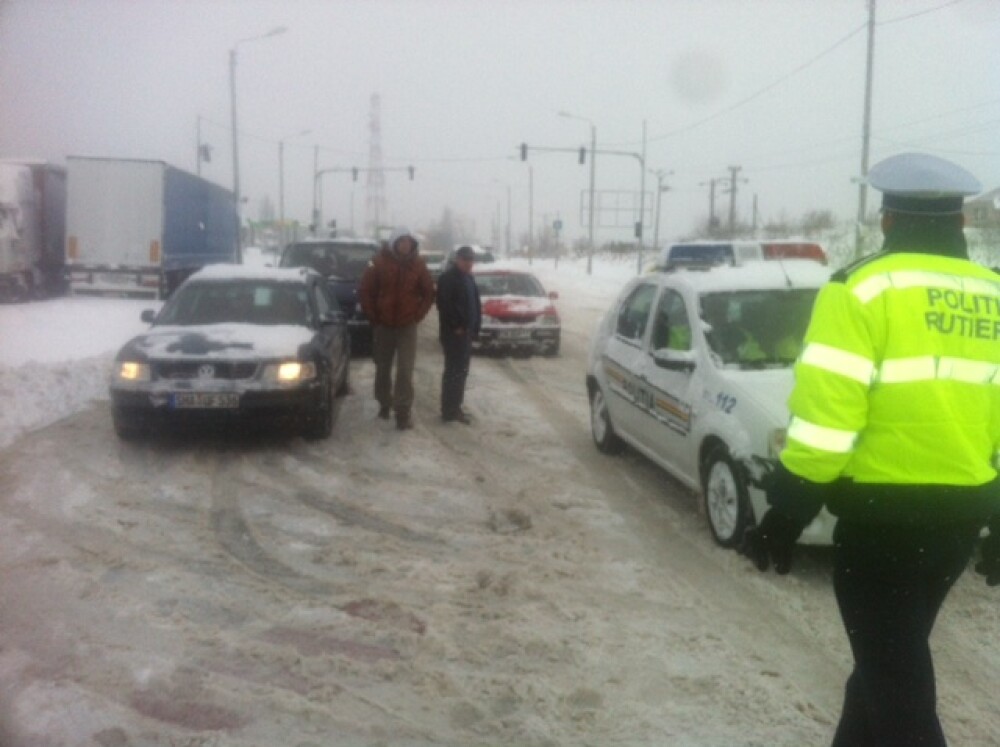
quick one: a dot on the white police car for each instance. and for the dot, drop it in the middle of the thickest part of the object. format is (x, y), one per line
(693, 368)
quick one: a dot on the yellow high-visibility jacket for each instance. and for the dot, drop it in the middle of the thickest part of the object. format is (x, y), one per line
(899, 379)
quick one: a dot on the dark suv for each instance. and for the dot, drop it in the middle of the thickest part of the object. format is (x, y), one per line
(342, 262)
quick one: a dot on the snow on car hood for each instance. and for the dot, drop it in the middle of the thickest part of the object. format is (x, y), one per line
(502, 306)
(236, 341)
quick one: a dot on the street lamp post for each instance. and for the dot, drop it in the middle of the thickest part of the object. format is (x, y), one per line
(281, 183)
(236, 146)
(660, 189)
(593, 176)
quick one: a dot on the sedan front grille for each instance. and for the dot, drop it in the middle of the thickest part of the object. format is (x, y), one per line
(183, 370)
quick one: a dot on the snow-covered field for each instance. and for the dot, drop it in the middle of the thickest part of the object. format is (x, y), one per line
(500, 584)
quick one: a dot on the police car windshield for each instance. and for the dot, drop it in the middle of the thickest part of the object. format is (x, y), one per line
(241, 302)
(757, 328)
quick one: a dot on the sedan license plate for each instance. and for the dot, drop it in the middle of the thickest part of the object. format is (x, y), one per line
(515, 334)
(204, 400)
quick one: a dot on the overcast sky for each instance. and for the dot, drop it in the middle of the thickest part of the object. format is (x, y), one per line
(463, 82)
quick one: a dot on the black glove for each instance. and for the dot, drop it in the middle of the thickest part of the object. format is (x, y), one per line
(772, 541)
(989, 553)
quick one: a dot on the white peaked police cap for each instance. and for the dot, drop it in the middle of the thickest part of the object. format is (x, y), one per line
(922, 184)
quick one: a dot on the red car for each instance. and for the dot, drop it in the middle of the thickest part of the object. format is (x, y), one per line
(518, 315)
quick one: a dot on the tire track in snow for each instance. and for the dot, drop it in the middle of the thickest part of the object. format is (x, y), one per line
(235, 536)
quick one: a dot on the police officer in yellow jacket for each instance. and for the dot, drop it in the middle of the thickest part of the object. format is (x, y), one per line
(895, 427)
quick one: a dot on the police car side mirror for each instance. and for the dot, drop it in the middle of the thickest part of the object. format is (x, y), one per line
(148, 316)
(674, 360)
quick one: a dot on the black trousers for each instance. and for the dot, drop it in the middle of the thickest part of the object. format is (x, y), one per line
(890, 582)
(457, 356)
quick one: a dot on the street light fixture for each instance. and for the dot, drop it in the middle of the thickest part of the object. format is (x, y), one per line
(660, 175)
(593, 169)
(236, 148)
(281, 182)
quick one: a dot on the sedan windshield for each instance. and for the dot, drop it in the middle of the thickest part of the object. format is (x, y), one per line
(347, 261)
(509, 285)
(757, 328)
(247, 302)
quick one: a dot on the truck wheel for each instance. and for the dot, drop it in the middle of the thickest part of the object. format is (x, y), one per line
(605, 438)
(321, 425)
(727, 502)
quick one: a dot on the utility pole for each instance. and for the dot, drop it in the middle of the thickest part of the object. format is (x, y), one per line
(198, 159)
(642, 202)
(711, 204)
(531, 214)
(590, 218)
(755, 215)
(508, 221)
(865, 132)
(733, 180)
(315, 220)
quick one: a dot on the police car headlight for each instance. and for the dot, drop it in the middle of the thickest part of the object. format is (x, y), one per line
(290, 372)
(776, 442)
(132, 371)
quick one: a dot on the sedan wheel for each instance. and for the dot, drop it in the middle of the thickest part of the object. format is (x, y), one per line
(727, 504)
(322, 425)
(603, 431)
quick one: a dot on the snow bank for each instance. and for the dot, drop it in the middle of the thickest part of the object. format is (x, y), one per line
(55, 357)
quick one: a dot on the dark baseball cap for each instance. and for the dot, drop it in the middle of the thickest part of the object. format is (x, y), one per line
(465, 252)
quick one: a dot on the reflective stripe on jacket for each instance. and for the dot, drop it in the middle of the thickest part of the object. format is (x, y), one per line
(899, 379)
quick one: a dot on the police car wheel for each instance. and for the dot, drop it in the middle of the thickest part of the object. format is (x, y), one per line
(603, 431)
(727, 503)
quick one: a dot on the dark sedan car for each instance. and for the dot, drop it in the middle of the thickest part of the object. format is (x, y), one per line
(342, 262)
(236, 344)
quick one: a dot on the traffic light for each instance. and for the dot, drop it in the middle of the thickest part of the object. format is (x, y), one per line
(524, 151)
(583, 154)
(410, 169)
(354, 173)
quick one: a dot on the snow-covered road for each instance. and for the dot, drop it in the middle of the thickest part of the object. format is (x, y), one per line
(499, 584)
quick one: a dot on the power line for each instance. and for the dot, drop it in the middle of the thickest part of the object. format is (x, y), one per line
(907, 17)
(795, 71)
(759, 92)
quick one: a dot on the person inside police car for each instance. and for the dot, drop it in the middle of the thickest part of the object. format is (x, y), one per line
(895, 428)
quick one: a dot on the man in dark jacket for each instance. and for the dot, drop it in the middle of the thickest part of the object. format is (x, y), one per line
(460, 313)
(396, 292)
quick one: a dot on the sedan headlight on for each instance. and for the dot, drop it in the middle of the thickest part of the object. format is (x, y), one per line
(290, 372)
(132, 371)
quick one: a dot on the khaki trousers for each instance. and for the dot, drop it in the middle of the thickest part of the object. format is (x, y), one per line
(399, 343)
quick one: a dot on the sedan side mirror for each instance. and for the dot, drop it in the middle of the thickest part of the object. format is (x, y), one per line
(553, 296)
(148, 316)
(333, 318)
(674, 360)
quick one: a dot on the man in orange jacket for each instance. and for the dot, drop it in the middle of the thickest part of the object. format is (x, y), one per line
(396, 293)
